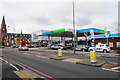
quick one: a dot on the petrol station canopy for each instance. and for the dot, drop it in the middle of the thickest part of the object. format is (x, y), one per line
(67, 32)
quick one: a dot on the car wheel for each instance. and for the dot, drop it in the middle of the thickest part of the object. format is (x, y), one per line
(91, 50)
(83, 50)
(105, 51)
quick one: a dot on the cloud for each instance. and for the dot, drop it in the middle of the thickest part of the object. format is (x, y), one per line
(33, 16)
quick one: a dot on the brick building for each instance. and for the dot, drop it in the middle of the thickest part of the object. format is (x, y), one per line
(113, 40)
(8, 39)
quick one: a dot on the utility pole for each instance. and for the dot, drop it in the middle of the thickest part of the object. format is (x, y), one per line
(107, 35)
(74, 30)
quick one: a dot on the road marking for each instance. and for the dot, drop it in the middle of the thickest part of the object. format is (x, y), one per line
(115, 68)
(14, 67)
(110, 69)
(26, 54)
(30, 68)
(42, 57)
(4, 60)
(15, 63)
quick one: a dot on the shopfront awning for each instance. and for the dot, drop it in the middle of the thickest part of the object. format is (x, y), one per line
(83, 32)
(67, 32)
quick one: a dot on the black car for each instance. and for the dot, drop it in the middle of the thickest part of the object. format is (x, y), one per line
(2, 46)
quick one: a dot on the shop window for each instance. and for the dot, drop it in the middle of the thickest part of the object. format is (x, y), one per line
(118, 44)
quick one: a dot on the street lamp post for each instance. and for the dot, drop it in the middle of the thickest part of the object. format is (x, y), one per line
(74, 30)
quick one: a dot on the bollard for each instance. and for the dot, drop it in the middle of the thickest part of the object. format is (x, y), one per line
(93, 57)
(59, 52)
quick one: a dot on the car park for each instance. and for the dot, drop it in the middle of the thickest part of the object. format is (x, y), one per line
(100, 48)
(81, 47)
(23, 48)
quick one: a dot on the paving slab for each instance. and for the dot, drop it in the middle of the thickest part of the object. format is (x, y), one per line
(73, 60)
(87, 62)
(25, 74)
(59, 57)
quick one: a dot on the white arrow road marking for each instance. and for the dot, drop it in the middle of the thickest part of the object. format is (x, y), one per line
(115, 68)
(14, 67)
(110, 69)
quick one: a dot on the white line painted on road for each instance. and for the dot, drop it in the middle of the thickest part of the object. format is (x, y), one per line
(110, 70)
(13, 62)
(115, 68)
(14, 67)
(19, 65)
(27, 54)
(31, 68)
(41, 57)
(4, 60)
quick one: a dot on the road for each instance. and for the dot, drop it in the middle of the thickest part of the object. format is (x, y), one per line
(55, 69)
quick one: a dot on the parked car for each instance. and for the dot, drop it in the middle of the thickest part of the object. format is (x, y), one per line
(34, 45)
(101, 48)
(15, 46)
(55, 46)
(50, 46)
(29, 45)
(23, 48)
(2, 46)
(81, 47)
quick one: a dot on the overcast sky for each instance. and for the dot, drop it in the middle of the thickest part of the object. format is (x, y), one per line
(31, 15)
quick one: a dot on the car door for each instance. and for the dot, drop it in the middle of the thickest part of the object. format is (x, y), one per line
(102, 47)
(97, 48)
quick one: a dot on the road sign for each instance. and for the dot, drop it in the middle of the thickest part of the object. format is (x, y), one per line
(92, 33)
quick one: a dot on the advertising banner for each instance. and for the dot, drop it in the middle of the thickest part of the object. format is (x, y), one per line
(111, 44)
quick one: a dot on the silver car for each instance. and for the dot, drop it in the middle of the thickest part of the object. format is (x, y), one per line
(23, 48)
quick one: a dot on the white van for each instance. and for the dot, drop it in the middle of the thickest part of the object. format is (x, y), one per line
(100, 47)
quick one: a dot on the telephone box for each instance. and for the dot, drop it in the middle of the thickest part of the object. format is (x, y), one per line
(23, 42)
